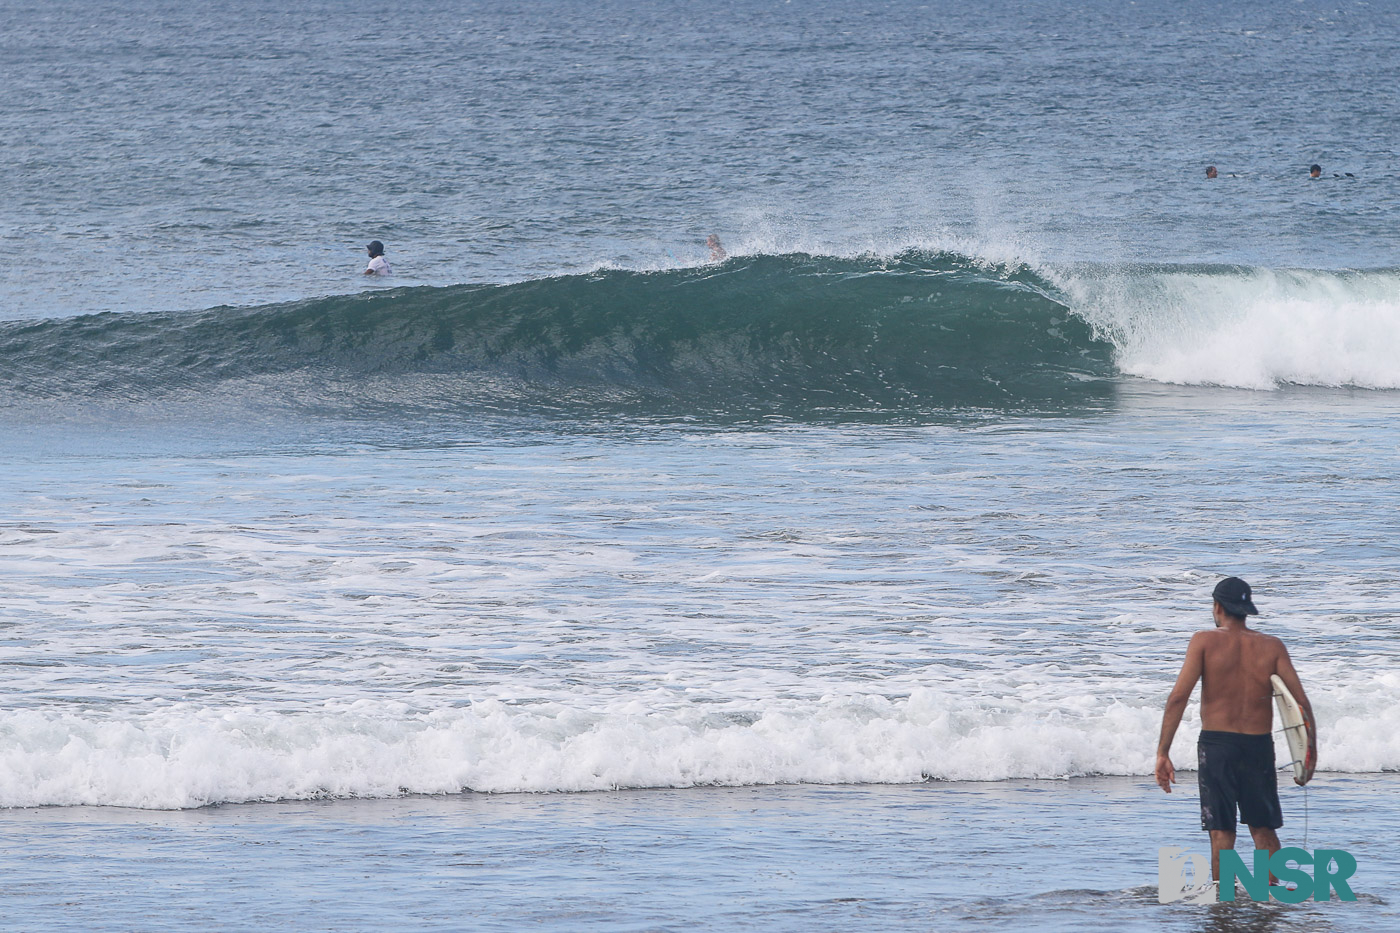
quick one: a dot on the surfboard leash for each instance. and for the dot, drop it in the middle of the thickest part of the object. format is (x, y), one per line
(1289, 766)
(1305, 805)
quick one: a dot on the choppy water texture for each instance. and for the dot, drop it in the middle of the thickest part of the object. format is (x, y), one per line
(162, 156)
(926, 484)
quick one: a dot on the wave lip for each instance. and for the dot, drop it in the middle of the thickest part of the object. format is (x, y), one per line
(788, 335)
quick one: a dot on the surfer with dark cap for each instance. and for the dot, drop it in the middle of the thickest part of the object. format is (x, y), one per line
(1235, 752)
(378, 265)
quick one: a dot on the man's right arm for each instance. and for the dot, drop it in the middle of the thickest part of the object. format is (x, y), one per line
(1191, 670)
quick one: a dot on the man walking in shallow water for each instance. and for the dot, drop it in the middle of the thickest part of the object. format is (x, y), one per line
(1236, 749)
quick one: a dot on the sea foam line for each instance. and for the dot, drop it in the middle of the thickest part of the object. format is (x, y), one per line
(188, 757)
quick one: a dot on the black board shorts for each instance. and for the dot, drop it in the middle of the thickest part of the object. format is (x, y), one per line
(1237, 770)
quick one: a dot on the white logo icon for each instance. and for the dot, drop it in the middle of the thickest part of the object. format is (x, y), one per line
(1172, 883)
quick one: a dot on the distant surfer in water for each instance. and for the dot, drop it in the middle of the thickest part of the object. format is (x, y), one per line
(1211, 172)
(1235, 752)
(1315, 171)
(378, 265)
(717, 251)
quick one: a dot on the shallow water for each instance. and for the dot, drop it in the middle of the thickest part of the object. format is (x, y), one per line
(1012, 855)
(579, 610)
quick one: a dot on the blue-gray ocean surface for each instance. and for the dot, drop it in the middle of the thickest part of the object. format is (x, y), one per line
(569, 580)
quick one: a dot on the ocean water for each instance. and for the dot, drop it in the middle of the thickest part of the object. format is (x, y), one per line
(845, 857)
(568, 579)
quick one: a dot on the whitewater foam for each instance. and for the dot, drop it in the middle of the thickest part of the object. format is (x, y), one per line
(189, 756)
(1247, 328)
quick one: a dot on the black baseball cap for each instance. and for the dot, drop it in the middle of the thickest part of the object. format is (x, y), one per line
(1233, 594)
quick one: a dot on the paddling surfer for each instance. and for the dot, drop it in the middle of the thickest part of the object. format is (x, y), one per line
(717, 251)
(1236, 749)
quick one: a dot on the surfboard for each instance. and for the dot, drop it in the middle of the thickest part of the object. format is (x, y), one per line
(1297, 731)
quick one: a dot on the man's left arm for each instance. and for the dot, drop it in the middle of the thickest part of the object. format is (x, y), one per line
(1284, 668)
(1176, 707)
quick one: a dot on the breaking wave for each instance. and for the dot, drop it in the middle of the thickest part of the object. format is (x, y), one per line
(795, 335)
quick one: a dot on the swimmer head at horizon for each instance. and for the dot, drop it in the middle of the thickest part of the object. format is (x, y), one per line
(1315, 171)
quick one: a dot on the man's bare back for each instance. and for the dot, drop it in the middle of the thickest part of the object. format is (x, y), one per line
(1235, 751)
(1236, 664)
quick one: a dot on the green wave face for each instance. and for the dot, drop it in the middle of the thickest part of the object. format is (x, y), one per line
(792, 336)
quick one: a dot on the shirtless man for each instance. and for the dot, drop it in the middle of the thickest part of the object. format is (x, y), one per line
(1235, 752)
